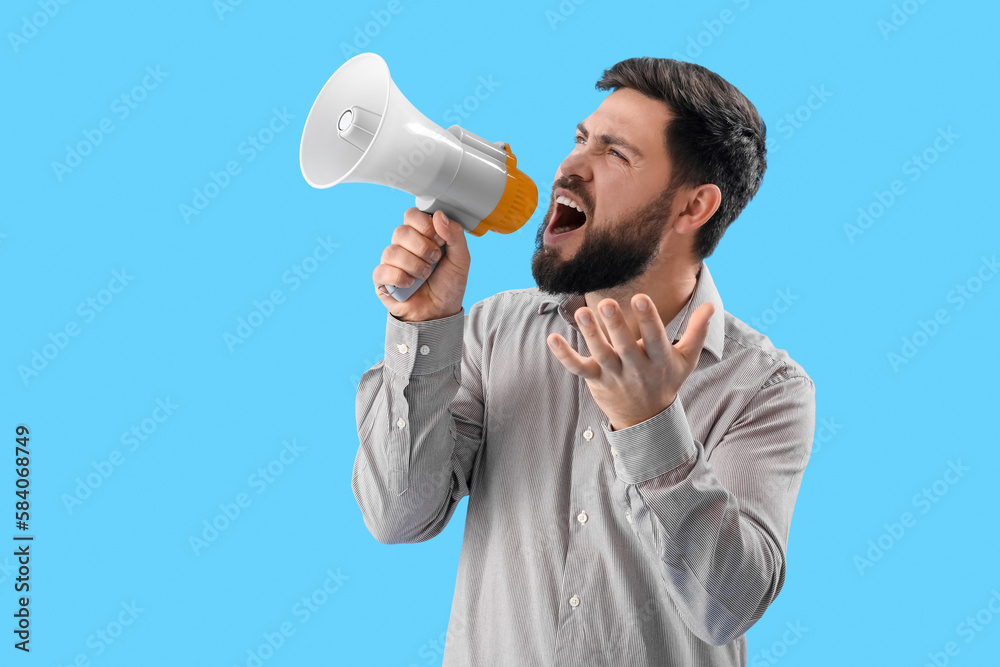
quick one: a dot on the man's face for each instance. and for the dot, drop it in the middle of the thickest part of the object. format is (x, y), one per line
(621, 189)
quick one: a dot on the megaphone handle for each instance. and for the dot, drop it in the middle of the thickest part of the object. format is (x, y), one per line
(404, 293)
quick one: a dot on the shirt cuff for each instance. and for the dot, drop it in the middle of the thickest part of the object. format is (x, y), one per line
(653, 447)
(422, 348)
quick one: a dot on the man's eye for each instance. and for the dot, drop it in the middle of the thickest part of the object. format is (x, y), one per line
(580, 139)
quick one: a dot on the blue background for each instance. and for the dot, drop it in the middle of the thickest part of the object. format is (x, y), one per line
(891, 429)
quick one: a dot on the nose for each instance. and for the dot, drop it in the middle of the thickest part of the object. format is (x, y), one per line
(575, 165)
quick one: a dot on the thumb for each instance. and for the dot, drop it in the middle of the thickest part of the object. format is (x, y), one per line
(694, 336)
(453, 233)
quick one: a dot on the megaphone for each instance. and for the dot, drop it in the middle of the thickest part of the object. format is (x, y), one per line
(361, 129)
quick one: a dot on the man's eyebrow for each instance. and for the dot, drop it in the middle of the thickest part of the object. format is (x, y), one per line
(609, 139)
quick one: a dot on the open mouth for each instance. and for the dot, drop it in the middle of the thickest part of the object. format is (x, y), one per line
(566, 217)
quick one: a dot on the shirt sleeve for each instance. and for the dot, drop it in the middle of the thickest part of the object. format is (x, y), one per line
(717, 529)
(420, 425)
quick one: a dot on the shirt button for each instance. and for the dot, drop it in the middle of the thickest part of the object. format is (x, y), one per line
(424, 349)
(403, 348)
(588, 434)
(582, 517)
(628, 516)
(574, 602)
(400, 422)
(613, 452)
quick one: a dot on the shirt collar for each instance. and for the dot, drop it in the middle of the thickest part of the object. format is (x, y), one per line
(704, 290)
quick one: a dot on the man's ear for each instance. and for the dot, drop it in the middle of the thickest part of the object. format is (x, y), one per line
(698, 204)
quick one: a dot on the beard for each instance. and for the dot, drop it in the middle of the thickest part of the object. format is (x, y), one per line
(611, 253)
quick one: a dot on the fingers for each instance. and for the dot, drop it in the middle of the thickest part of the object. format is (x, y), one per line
(619, 346)
(694, 336)
(387, 274)
(589, 369)
(410, 256)
(430, 249)
(600, 350)
(454, 235)
(420, 221)
(420, 243)
(622, 347)
(651, 328)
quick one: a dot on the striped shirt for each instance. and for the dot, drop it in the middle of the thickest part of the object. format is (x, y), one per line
(658, 544)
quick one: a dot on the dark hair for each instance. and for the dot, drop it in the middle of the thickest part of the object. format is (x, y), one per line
(715, 135)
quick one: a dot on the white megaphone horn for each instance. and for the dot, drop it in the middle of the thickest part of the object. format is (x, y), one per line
(361, 129)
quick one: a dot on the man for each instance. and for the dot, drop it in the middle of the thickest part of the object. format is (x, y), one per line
(631, 451)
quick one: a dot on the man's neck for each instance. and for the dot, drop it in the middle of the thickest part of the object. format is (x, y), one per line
(669, 286)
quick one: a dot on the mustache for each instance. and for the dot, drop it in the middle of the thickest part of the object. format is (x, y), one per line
(575, 187)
